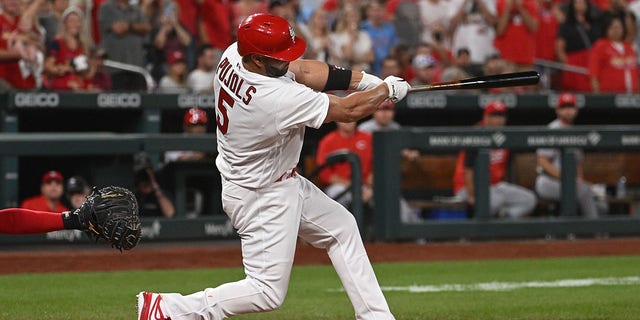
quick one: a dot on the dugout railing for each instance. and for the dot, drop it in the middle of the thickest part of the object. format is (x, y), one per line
(133, 122)
(387, 181)
(387, 148)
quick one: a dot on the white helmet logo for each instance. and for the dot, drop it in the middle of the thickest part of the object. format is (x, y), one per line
(292, 34)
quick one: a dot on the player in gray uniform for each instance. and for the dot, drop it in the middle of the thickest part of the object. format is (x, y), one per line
(506, 199)
(549, 160)
(265, 100)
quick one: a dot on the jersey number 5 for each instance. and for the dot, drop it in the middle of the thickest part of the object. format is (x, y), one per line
(224, 101)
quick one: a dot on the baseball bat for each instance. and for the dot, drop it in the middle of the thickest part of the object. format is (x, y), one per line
(495, 81)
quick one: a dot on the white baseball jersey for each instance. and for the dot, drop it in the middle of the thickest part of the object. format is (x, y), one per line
(280, 107)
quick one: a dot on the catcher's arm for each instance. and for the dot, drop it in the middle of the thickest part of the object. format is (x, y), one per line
(110, 213)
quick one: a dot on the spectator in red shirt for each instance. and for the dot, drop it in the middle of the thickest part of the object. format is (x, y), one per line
(505, 199)
(574, 40)
(95, 26)
(97, 79)
(188, 18)
(613, 63)
(66, 60)
(188, 14)
(602, 4)
(547, 29)
(215, 23)
(243, 8)
(337, 178)
(13, 46)
(51, 191)
(516, 31)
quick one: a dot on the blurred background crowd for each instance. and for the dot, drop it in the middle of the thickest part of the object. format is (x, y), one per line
(578, 45)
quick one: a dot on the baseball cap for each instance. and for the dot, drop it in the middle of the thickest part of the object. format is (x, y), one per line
(175, 56)
(566, 100)
(52, 176)
(496, 107)
(195, 116)
(423, 61)
(76, 184)
(387, 105)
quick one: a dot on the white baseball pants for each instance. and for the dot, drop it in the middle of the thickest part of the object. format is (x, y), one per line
(269, 220)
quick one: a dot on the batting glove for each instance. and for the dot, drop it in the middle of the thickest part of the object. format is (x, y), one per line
(398, 88)
(368, 81)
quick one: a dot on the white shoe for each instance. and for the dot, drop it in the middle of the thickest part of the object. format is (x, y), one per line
(149, 307)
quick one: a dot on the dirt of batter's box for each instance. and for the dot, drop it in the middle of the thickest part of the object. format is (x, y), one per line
(185, 255)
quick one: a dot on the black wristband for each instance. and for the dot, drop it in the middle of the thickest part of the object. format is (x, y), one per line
(70, 220)
(338, 78)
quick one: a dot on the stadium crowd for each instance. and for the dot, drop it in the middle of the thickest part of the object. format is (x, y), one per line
(63, 44)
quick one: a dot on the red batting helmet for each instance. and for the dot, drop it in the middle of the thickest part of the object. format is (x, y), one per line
(195, 116)
(269, 35)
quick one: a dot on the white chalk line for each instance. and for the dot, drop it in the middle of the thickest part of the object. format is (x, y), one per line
(508, 286)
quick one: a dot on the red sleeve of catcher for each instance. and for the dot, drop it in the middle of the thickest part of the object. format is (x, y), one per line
(25, 221)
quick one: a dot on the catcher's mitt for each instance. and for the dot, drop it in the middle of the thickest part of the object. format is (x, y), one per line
(111, 213)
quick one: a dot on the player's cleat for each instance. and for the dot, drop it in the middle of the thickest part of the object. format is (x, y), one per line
(149, 307)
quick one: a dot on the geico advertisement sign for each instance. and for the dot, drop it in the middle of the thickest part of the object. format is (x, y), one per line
(119, 100)
(427, 101)
(196, 100)
(509, 99)
(627, 101)
(36, 100)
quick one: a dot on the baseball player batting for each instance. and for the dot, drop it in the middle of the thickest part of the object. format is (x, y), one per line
(265, 99)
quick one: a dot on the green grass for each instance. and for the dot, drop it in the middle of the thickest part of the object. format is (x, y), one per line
(111, 295)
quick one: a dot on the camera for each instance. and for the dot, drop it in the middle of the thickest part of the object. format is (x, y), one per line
(80, 63)
(169, 9)
(141, 162)
(437, 36)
